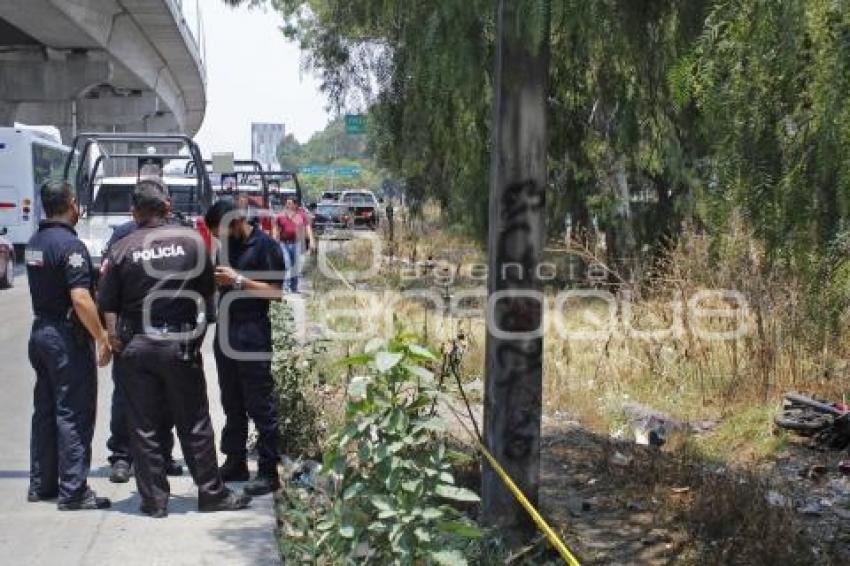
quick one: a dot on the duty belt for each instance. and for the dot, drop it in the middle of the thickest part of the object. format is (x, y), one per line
(52, 317)
(156, 327)
(248, 316)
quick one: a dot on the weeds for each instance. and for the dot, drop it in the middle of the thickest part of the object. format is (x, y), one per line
(302, 422)
(397, 501)
(735, 382)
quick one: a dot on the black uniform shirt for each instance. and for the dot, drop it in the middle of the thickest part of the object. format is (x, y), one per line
(124, 230)
(57, 261)
(260, 254)
(121, 231)
(157, 258)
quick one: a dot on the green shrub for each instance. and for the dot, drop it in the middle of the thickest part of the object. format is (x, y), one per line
(396, 498)
(301, 424)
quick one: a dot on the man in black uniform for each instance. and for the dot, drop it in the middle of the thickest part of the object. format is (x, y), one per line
(247, 387)
(160, 366)
(66, 333)
(119, 437)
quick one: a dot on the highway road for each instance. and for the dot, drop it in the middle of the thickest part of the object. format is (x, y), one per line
(38, 534)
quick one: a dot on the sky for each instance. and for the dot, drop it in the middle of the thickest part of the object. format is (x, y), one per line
(253, 75)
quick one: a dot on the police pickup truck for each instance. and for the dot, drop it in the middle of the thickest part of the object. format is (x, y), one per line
(104, 169)
(111, 206)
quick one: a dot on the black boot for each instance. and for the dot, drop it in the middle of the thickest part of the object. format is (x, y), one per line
(153, 510)
(172, 468)
(234, 469)
(90, 501)
(33, 496)
(231, 501)
(262, 484)
(120, 472)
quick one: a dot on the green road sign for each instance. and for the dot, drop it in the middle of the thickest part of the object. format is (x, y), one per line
(347, 170)
(315, 170)
(327, 170)
(355, 124)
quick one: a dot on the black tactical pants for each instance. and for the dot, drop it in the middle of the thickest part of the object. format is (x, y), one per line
(247, 391)
(119, 432)
(156, 383)
(65, 401)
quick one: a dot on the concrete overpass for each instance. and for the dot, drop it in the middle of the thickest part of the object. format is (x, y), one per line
(100, 65)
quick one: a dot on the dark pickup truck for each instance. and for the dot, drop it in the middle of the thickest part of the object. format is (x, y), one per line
(331, 217)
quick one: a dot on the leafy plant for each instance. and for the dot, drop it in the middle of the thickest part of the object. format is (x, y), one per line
(301, 426)
(397, 499)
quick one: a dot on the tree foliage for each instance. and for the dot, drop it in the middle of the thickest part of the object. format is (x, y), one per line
(331, 147)
(661, 111)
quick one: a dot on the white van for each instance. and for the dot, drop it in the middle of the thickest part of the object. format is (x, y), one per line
(28, 158)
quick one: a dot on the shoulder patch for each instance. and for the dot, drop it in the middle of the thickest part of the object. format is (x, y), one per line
(34, 258)
(76, 260)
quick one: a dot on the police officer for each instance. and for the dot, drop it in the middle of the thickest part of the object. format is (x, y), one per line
(66, 335)
(119, 439)
(247, 387)
(161, 364)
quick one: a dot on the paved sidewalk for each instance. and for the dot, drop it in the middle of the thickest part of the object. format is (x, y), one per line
(38, 534)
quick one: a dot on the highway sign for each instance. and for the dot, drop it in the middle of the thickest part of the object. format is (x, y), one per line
(355, 123)
(328, 170)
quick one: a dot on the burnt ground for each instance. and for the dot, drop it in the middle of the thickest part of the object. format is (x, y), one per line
(618, 503)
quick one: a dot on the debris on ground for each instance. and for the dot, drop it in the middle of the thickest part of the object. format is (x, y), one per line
(814, 507)
(650, 427)
(308, 474)
(814, 472)
(776, 499)
(658, 506)
(825, 423)
(619, 459)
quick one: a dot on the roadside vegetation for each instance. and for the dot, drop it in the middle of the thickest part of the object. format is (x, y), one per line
(693, 146)
(724, 392)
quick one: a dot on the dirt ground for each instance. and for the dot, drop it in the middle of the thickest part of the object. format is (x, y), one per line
(618, 503)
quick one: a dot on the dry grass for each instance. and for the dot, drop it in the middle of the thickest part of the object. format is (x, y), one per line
(723, 518)
(737, 382)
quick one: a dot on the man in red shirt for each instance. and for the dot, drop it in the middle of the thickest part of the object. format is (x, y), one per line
(293, 229)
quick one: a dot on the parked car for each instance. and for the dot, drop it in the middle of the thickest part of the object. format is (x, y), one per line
(7, 261)
(364, 207)
(330, 217)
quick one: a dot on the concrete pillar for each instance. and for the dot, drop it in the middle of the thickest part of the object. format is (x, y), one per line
(161, 123)
(36, 81)
(115, 110)
(57, 113)
(7, 113)
(104, 114)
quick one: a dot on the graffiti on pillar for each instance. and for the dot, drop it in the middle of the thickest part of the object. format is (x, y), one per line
(519, 360)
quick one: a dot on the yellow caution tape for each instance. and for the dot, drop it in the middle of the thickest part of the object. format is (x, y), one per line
(339, 275)
(538, 519)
